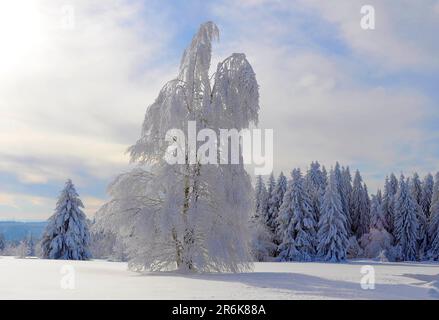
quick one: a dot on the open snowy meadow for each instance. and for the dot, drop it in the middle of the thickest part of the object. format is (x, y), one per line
(57, 279)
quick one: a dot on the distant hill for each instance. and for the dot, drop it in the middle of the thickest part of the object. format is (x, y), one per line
(16, 230)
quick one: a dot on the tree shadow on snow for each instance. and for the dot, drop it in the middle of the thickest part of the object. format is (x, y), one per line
(423, 264)
(305, 285)
(432, 281)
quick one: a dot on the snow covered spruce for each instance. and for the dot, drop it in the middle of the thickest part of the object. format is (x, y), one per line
(191, 217)
(329, 217)
(66, 235)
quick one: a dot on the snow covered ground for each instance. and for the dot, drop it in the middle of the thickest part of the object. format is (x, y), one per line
(43, 279)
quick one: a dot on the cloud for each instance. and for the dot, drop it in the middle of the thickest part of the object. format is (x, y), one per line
(73, 99)
(397, 41)
(331, 103)
(76, 101)
(18, 206)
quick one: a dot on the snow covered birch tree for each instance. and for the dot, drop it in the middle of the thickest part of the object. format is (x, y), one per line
(192, 216)
(332, 235)
(66, 235)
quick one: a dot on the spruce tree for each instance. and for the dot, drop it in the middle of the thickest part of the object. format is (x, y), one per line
(66, 235)
(406, 222)
(427, 194)
(416, 188)
(357, 204)
(344, 198)
(364, 224)
(271, 184)
(260, 197)
(2, 242)
(263, 246)
(296, 218)
(325, 178)
(315, 186)
(377, 217)
(389, 202)
(346, 192)
(286, 247)
(274, 204)
(433, 229)
(332, 235)
(416, 192)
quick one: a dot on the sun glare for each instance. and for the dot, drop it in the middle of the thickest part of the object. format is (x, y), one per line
(21, 32)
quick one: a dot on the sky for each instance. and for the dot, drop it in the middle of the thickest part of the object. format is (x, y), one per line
(77, 77)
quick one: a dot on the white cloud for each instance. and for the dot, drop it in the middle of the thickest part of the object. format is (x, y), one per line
(77, 98)
(316, 102)
(24, 207)
(27, 207)
(403, 34)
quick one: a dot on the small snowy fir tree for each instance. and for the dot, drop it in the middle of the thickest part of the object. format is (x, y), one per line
(359, 207)
(406, 222)
(101, 243)
(390, 190)
(274, 204)
(192, 216)
(377, 217)
(377, 241)
(119, 251)
(332, 232)
(427, 194)
(31, 244)
(354, 249)
(23, 250)
(346, 191)
(286, 247)
(66, 236)
(342, 190)
(271, 184)
(416, 192)
(365, 212)
(433, 247)
(2, 242)
(260, 197)
(296, 214)
(416, 188)
(325, 178)
(315, 184)
(262, 244)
